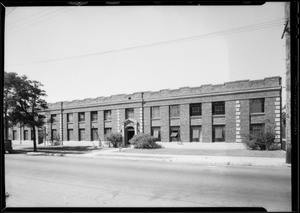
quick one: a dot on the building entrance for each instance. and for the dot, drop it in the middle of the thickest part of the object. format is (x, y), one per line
(129, 133)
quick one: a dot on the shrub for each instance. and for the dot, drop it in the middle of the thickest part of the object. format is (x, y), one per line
(262, 140)
(144, 141)
(114, 138)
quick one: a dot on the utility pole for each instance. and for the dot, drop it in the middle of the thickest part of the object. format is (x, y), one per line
(286, 33)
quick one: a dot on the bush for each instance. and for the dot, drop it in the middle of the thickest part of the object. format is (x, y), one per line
(144, 141)
(261, 140)
(114, 138)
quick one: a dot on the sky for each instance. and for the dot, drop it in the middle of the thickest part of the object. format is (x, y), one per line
(83, 52)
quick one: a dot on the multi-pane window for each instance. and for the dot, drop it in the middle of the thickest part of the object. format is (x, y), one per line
(195, 109)
(25, 135)
(81, 134)
(257, 105)
(53, 118)
(81, 117)
(174, 111)
(155, 131)
(129, 113)
(54, 134)
(70, 117)
(15, 135)
(70, 134)
(196, 134)
(218, 108)
(94, 134)
(107, 131)
(155, 112)
(107, 115)
(94, 116)
(257, 128)
(175, 133)
(218, 133)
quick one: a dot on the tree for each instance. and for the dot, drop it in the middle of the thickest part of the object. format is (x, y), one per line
(26, 103)
(10, 79)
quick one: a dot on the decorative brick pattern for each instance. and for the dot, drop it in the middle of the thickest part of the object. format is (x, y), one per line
(238, 121)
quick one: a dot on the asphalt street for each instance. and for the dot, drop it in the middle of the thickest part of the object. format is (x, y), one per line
(53, 181)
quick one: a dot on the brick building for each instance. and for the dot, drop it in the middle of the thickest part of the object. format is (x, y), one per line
(209, 113)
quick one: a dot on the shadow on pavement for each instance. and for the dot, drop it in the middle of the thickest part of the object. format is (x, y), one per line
(56, 149)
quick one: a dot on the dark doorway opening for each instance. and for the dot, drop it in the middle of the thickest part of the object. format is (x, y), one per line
(129, 134)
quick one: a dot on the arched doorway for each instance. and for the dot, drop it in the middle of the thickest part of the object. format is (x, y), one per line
(129, 133)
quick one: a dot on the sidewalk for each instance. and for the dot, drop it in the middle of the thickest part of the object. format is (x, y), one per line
(193, 159)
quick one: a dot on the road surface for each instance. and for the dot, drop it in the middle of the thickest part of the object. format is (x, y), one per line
(53, 181)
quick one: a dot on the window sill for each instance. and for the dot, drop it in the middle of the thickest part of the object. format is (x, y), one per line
(257, 113)
(196, 116)
(218, 116)
(175, 118)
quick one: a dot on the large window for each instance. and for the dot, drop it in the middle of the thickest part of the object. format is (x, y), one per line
(196, 134)
(94, 134)
(25, 135)
(107, 131)
(174, 133)
(81, 117)
(107, 115)
(54, 134)
(94, 116)
(155, 131)
(53, 118)
(15, 136)
(70, 117)
(155, 112)
(81, 134)
(218, 108)
(257, 105)
(70, 134)
(195, 109)
(218, 133)
(174, 111)
(257, 128)
(129, 113)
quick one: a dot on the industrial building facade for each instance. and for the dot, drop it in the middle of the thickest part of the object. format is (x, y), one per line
(209, 113)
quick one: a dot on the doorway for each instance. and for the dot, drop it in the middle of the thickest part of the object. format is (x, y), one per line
(129, 133)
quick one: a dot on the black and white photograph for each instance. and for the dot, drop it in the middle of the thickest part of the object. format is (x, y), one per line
(147, 106)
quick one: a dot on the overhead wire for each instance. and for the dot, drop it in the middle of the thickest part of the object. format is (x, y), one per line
(242, 29)
(39, 21)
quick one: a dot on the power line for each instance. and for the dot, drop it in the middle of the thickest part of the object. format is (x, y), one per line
(41, 20)
(203, 36)
(10, 25)
(10, 11)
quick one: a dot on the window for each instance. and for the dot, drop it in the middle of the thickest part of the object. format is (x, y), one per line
(15, 136)
(107, 131)
(155, 132)
(175, 133)
(94, 116)
(81, 117)
(53, 119)
(54, 134)
(32, 134)
(70, 117)
(107, 115)
(218, 108)
(94, 134)
(70, 135)
(257, 105)
(155, 112)
(174, 111)
(129, 113)
(81, 135)
(196, 134)
(195, 110)
(218, 133)
(25, 135)
(257, 128)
